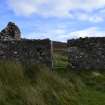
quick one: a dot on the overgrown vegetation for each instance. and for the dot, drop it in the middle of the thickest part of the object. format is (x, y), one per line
(37, 85)
(89, 85)
(33, 86)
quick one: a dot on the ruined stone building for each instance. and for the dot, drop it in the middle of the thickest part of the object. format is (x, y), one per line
(11, 32)
(83, 53)
(13, 47)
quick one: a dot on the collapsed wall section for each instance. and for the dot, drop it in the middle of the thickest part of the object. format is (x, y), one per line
(87, 53)
(27, 51)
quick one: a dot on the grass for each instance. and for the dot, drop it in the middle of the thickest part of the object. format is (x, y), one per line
(33, 86)
(89, 85)
(37, 85)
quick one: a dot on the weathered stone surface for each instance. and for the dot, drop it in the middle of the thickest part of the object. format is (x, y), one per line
(27, 51)
(11, 32)
(87, 53)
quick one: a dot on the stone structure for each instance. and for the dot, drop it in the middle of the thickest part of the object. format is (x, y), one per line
(26, 51)
(87, 53)
(11, 32)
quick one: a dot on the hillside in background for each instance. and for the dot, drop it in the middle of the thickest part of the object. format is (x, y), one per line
(37, 85)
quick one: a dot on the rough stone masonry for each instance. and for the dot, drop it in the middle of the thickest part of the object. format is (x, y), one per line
(87, 53)
(13, 47)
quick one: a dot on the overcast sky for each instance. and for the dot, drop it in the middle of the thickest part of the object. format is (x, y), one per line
(55, 19)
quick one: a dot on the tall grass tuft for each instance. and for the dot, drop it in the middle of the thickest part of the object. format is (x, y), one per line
(33, 85)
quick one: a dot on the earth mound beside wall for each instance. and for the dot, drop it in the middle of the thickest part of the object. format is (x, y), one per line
(87, 53)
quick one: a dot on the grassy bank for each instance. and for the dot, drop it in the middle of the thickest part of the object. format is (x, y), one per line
(33, 86)
(37, 85)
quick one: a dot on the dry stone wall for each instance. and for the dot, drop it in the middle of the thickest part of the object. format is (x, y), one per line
(87, 53)
(27, 51)
(13, 47)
